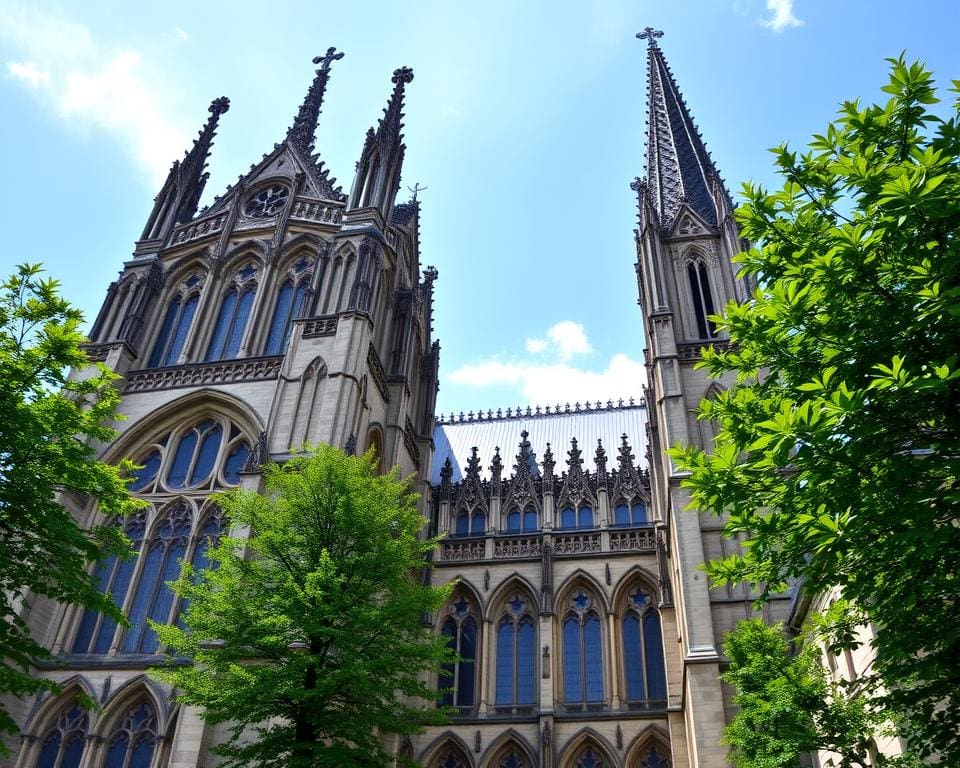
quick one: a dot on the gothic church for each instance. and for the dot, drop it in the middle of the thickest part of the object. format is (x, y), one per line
(290, 310)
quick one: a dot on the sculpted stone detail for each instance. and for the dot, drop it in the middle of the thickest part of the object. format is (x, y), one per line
(194, 231)
(471, 492)
(464, 550)
(576, 487)
(376, 371)
(642, 540)
(225, 372)
(410, 441)
(522, 491)
(310, 209)
(576, 544)
(314, 327)
(520, 546)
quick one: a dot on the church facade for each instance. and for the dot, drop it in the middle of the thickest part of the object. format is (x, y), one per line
(292, 311)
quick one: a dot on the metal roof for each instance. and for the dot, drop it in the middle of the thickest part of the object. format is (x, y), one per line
(456, 438)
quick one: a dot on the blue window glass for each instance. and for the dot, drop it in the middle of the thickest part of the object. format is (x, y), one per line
(621, 515)
(143, 597)
(585, 517)
(132, 743)
(568, 518)
(207, 455)
(448, 671)
(526, 659)
(144, 476)
(50, 751)
(65, 740)
(182, 459)
(505, 661)
(589, 759)
(281, 316)
(142, 753)
(463, 524)
(593, 658)
(180, 331)
(239, 324)
(227, 307)
(163, 337)
(639, 514)
(118, 591)
(633, 657)
(209, 537)
(530, 522)
(88, 624)
(235, 462)
(653, 644)
(572, 670)
(468, 653)
(478, 523)
(117, 754)
(73, 750)
(513, 521)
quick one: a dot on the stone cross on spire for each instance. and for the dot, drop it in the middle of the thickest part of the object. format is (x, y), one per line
(650, 35)
(305, 123)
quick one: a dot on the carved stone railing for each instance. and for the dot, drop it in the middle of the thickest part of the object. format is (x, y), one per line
(313, 209)
(517, 546)
(322, 325)
(691, 351)
(197, 229)
(223, 372)
(462, 550)
(636, 540)
(576, 544)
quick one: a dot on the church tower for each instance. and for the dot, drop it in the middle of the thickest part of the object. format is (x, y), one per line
(284, 313)
(686, 240)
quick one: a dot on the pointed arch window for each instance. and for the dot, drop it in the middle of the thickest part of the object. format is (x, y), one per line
(153, 599)
(289, 306)
(62, 745)
(133, 740)
(176, 324)
(526, 521)
(512, 758)
(471, 522)
(516, 655)
(654, 757)
(458, 679)
(574, 518)
(643, 652)
(589, 758)
(702, 296)
(451, 758)
(582, 653)
(208, 537)
(626, 514)
(96, 631)
(233, 316)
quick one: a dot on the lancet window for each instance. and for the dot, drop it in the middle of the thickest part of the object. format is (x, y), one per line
(589, 758)
(512, 758)
(579, 517)
(654, 757)
(234, 313)
(62, 745)
(461, 631)
(451, 757)
(176, 323)
(582, 652)
(289, 306)
(643, 659)
(133, 740)
(525, 521)
(702, 296)
(471, 522)
(576, 499)
(516, 654)
(626, 514)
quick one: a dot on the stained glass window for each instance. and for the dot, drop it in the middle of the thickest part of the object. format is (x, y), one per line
(702, 299)
(289, 306)
(478, 523)
(581, 517)
(589, 759)
(195, 455)
(654, 758)
(458, 679)
(231, 323)
(582, 652)
(630, 514)
(516, 656)
(132, 742)
(513, 521)
(62, 746)
(463, 524)
(173, 331)
(643, 650)
(451, 759)
(148, 473)
(530, 522)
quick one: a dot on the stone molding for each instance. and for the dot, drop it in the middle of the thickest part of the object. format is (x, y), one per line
(196, 374)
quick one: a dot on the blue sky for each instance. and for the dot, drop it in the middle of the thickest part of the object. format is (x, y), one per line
(525, 122)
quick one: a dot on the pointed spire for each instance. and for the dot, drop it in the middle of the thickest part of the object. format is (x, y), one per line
(192, 173)
(679, 168)
(390, 124)
(304, 126)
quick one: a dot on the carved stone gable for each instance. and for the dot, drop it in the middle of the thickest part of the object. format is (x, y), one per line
(629, 483)
(689, 226)
(522, 490)
(576, 487)
(472, 494)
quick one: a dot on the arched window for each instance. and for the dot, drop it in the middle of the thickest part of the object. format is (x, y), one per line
(133, 740)
(62, 745)
(582, 653)
(96, 631)
(234, 314)
(458, 679)
(153, 599)
(589, 758)
(470, 522)
(625, 514)
(451, 757)
(643, 652)
(478, 523)
(654, 757)
(176, 324)
(526, 521)
(516, 655)
(702, 299)
(208, 536)
(579, 518)
(289, 307)
(512, 758)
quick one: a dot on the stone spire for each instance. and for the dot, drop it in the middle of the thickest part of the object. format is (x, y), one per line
(193, 167)
(304, 126)
(679, 168)
(388, 132)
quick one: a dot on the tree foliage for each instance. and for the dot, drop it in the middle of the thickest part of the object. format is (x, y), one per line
(786, 706)
(317, 614)
(839, 449)
(48, 424)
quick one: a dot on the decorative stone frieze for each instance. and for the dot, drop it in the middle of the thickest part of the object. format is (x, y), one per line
(314, 327)
(196, 374)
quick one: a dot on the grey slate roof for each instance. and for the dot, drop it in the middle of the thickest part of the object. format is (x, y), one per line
(454, 439)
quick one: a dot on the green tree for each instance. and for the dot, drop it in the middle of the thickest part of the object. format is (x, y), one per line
(839, 449)
(48, 424)
(319, 649)
(786, 706)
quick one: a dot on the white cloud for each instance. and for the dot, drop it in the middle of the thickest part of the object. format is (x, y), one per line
(451, 112)
(557, 383)
(92, 87)
(181, 34)
(782, 16)
(564, 340)
(29, 73)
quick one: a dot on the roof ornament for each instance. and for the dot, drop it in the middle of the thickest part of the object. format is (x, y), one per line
(650, 35)
(305, 123)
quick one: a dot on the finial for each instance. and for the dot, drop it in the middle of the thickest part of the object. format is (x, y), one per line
(305, 123)
(219, 106)
(328, 58)
(650, 35)
(402, 75)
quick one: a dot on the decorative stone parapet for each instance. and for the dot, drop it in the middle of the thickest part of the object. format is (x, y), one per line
(195, 374)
